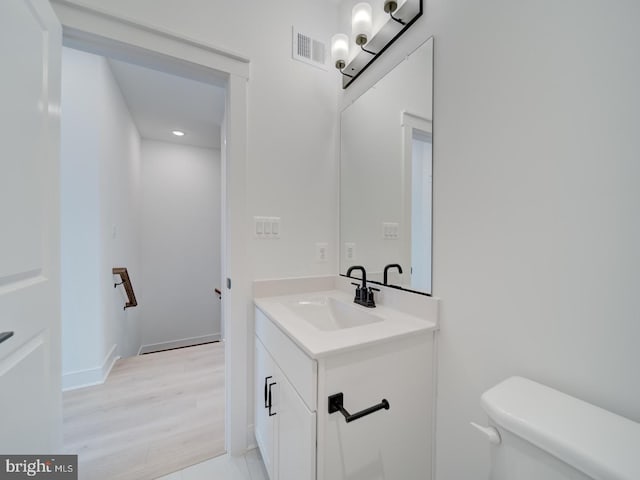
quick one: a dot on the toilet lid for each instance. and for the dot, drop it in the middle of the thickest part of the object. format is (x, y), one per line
(599, 443)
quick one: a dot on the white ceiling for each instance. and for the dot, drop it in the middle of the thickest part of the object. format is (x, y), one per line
(160, 102)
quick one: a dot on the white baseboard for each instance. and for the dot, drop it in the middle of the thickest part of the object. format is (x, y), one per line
(184, 342)
(251, 441)
(92, 376)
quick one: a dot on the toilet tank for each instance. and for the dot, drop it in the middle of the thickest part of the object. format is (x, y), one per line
(544, 434)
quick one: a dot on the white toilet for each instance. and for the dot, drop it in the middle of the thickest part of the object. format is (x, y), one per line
(538, 433)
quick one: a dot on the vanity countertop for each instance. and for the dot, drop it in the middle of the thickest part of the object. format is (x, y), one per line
(318, 343)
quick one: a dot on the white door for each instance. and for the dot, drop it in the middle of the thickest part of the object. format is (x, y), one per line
(30, 393)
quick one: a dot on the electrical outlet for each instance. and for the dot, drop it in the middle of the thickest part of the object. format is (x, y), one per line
(321, 252)
(349, 251)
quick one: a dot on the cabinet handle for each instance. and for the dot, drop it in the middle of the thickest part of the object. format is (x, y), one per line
(270, 403)
(336, 405)
(265, 391)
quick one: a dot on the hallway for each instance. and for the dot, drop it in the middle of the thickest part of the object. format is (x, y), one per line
(155, 414)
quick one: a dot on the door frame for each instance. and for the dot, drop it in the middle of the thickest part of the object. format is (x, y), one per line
(101, 32)
(408, 123)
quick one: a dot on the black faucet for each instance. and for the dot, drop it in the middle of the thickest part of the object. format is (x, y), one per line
(386, 270)
(364, 295)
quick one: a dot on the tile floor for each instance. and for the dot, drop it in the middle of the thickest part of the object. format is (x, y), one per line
(225, 467)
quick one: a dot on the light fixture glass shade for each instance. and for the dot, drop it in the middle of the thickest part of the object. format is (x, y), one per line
(339, 50)
(361, 23)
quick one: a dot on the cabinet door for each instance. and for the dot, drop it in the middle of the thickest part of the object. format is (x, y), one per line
(265, 425)
(388, 444)
(296, 434)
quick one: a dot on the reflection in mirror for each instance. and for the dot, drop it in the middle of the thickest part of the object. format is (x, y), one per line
(386, 176)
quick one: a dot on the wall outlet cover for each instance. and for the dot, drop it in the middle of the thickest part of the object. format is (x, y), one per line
(349, 251)
(321, 252)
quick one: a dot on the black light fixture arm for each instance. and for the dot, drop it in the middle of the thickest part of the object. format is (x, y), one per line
(336, 405)
(345, 74)
(401, 22)
(368, 51)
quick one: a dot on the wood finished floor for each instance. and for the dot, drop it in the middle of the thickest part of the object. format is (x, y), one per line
(154, 415)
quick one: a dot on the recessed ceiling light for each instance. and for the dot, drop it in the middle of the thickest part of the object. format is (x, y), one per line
(178, 133)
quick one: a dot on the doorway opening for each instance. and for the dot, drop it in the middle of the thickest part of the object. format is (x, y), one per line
(417, 146)
(133, 196)
(89, 29)
(421, 208)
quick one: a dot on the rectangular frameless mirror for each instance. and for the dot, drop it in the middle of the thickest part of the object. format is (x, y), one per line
(386, 176)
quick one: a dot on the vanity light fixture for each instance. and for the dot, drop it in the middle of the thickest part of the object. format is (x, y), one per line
(340, 51)
(402, 14)
(362, 24)
(178, 133)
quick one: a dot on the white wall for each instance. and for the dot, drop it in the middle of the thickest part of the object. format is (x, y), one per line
(292, 163)
(536, 207)
(180, 239)
(100, 165)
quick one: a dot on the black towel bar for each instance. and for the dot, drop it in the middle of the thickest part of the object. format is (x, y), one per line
(336, 403)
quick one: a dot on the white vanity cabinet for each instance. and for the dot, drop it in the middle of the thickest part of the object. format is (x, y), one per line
(265, 370)
(301, 440)
(394, 444)
(285, 422)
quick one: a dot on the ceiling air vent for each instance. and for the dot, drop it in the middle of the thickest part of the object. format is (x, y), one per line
(309, 50)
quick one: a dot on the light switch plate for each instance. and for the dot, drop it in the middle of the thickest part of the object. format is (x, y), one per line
(259, 226)
(390, 230)
(266, 227)
(275, 227)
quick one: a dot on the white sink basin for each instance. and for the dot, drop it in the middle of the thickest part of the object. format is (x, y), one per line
(327, 313)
